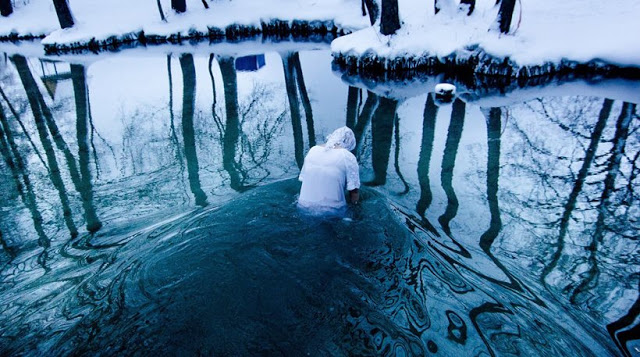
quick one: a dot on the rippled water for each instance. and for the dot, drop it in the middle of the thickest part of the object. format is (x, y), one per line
(148, 207)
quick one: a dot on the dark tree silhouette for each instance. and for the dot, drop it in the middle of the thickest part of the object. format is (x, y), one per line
(64, 13)
(448, 163)
(389, 19)
(82, 129)
(188, 106)
(505, 15)
(6, 8)
(179, 6)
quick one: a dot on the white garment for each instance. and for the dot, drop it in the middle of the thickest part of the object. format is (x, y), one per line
(325, 175)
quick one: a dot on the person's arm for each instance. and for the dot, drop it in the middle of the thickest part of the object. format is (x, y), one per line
(354, 196)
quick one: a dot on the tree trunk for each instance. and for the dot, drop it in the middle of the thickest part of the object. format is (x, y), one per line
(364, 118)
(390, 20)
(164, 19)
(188, 106)
(505, 14)
(82, 129)
(64, 13)
(372, 8)
(179, 6)
(471, 3)
(6, 8)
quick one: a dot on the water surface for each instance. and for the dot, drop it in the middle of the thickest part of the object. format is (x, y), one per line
(148, 207)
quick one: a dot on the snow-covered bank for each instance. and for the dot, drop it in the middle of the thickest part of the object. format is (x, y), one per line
(123, 22)
(546, 37)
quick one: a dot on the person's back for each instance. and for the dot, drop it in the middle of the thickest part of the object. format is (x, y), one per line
(327, 171)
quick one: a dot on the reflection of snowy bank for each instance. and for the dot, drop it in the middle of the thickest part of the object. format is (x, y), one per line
(545, 37)
(490, 91)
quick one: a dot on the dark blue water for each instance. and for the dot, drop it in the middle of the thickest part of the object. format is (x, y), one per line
(148, 208)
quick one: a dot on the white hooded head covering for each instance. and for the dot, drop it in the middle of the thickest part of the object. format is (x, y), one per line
(343, 138)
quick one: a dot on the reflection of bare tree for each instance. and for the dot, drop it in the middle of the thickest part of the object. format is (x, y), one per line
(448, 163)
(37, 108)
(249, 131)
(188, 105)
(82, 129)
(577, 187)
(364, 119)
(603, 209)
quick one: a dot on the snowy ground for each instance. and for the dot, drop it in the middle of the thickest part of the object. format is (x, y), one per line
(542, 31)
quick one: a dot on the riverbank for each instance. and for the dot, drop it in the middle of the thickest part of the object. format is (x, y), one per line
(545, 37)
(125, 24)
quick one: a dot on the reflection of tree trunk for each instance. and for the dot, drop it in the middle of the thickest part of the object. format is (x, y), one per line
(294, 106)
(188, 106)
(622, 337)
(613, 167)
(352, 106)
(486, 308)
(396, 156)
(381, 135)
(448, 163)
(364, 118)
(232, 124)
(82, 129)
(493, 172)
(306, 102)
(428, 133)
(577, 187)
(35, 100)
(172, 127)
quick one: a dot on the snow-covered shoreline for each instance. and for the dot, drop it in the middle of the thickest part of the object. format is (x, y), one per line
(546, 38)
